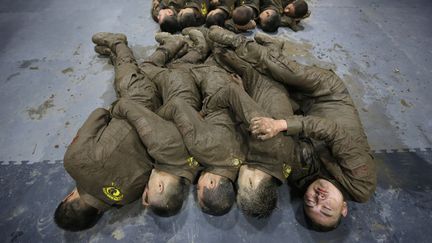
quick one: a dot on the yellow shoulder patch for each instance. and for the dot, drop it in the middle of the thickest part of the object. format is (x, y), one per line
(286, 169)
(204, 8)
(112, 192)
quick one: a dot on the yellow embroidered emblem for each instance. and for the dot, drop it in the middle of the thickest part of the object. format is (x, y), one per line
(112, 192)
(237, 162)
(286, 170)
(192, 162)
(204, 8)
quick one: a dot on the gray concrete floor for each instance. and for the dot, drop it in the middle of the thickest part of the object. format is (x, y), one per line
(51, 79)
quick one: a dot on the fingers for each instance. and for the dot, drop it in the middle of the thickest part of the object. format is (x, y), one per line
(265, 136)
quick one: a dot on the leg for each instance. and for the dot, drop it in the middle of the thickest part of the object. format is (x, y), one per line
(233, 97)
(129, 82)
(170, 45)
(190, 125)
(199, 48)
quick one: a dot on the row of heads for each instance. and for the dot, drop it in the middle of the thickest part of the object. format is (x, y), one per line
(243, 16)
(255, 191)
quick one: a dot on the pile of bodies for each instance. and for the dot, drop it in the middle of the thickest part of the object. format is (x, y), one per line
(230, 114)
(235, 15)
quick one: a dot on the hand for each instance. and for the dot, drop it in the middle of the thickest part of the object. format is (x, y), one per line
(116, 109)
(265, 128)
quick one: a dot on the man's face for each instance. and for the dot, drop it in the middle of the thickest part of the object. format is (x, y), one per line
(163, 13)
(290, 10)
(324, 203)
(207, 180)
(156, 186)
(265, 15)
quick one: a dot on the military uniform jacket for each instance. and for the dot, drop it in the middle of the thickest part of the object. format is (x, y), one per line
(202, 6)
(258, 98)
(323, 94)
(173, 82)
(254, 4)
(108, 161)
(157, 5)
(226, 5)
(271, 4)
(213, 139)
(161, 138)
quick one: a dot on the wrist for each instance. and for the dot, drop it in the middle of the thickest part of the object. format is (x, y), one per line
(281, 125)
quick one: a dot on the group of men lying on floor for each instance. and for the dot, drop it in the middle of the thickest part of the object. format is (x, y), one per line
(231, 114)
(235, 15)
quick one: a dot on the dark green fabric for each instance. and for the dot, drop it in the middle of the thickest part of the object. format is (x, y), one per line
(108, 153)
(326, 97)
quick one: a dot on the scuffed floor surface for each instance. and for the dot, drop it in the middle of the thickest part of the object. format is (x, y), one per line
(51, 79)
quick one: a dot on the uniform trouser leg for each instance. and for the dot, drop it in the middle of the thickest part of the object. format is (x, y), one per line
(233, 97)
(189, 123)
(161, 138)
(272, 100)
(272, 64)
(272, 97)
(164, 53)
(129, 81)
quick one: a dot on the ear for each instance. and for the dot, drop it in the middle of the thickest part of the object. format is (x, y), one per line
(70, 195)
(160, 188)
(344, 209)
(144, 197)
(212, 183)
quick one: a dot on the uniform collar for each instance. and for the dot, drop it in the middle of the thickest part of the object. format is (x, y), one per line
(93, 201)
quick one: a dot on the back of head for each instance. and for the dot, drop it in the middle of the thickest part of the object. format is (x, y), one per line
(75, 216)
(216, 19)
(219, 200)
(242, 15)
(188, 20)
(301, 8)
(170, 24)
(260, 202)
(172, 199)
(272, 23)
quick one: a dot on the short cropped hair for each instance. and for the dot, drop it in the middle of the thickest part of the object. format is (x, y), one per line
(73, 216)
(173, 198)
(190, 20)
(272, 23)
(170, 24)
(320, 227)
(261, 202)
(301, 8)
(242, 15)
(217, 19)
(219, 200)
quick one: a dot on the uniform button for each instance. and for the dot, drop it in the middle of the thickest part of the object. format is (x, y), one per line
(236, 162)
(286, 170)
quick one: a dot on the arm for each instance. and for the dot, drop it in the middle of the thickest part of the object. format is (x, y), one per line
(161, 138)
(313, 81)
(352, 166)
(155, 10)
(98, 119)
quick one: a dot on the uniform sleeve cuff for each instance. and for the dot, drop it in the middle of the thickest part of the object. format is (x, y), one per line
(294, 125)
